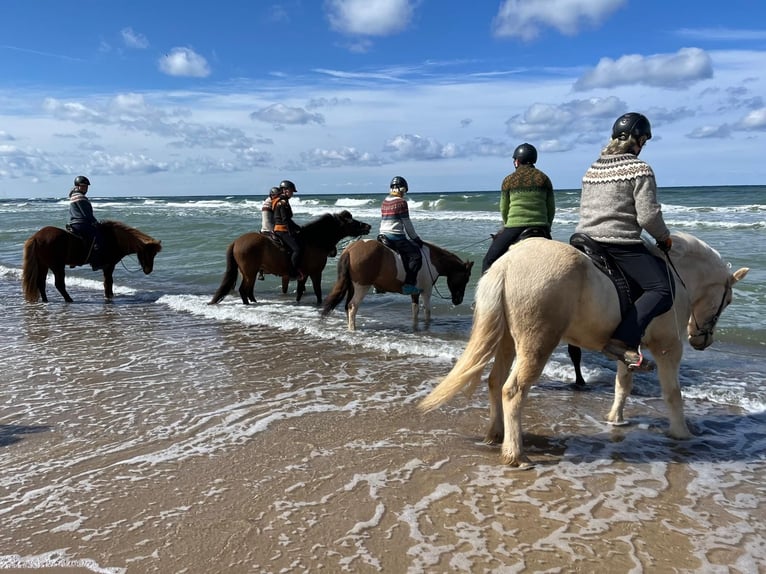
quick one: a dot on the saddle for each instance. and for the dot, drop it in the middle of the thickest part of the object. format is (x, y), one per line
(606, 264)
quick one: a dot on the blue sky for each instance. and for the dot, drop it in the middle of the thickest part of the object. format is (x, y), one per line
(176, 97)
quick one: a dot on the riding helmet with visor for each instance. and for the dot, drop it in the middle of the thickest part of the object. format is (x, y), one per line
(525, 153)
(81, 180)
(631, 124)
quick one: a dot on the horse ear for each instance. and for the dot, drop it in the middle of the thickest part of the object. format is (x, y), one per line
(739, 274)
(469, 265)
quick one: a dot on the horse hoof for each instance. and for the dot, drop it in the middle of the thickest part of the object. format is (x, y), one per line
(618, 423)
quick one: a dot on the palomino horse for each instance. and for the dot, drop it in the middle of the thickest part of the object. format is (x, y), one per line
(250, 252)
(53, 248)
(542, 292)
(366, 264)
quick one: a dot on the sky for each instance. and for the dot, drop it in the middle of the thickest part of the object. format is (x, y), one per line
(176, 97)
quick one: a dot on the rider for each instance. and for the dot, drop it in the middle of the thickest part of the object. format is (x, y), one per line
(526, 204)
(83, 223)
(618, 201)
(400, 234)
(267, 211)
(284, 226)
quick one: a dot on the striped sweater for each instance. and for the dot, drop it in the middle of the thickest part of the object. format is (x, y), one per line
(619, 199)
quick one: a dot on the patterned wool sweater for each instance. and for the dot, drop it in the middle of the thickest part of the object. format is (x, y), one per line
(526, 198)
(619, 199)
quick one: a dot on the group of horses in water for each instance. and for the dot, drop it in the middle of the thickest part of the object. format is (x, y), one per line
(540, 293)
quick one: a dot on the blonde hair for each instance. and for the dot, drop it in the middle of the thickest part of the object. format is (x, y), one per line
(618, 146)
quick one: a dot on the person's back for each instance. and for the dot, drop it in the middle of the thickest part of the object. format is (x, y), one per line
(527, 204)
(400, 234)
(267, 211)
(618, 201)
(83, 223)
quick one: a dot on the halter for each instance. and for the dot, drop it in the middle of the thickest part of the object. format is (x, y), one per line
(709, 326)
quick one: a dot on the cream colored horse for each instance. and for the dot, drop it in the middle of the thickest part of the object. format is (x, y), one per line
(542, 292)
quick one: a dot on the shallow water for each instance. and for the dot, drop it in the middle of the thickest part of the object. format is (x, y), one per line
(159, 434)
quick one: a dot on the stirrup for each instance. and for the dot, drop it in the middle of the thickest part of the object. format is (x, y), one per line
(632, 358)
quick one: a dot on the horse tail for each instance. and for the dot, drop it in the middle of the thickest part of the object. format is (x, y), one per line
(341, 287)
(489, 326)
(229, 277)
(30, 272)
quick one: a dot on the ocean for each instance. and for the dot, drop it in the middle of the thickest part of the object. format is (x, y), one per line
(156, 433)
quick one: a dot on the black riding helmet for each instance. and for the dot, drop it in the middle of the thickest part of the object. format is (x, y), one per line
(287, 184)
(81, 180)
(631, 124)
(399, 182)
(273, 192)
(525, 153)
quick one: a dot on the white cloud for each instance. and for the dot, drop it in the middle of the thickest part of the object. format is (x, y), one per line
(413, 146)
(339, 157)
(680, 70)
(281, 114)
(755, 120)
(184, 62)
(370, 17)
(525, 19)
(133, 39)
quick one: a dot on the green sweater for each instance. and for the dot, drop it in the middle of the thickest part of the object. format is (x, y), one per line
(526, 198)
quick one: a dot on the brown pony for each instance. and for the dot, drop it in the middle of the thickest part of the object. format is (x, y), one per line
(366, 264)
(254, 251)
(53, 248)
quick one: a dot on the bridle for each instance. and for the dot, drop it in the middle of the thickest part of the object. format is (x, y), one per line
(709, 326)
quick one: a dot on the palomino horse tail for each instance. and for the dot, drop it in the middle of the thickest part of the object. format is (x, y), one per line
(341, 287)
(489, 326)
(229, 277)
(31, 272)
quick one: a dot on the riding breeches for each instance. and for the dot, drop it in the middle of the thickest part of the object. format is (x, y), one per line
(412, 258)
(650, 275)
(295, 247)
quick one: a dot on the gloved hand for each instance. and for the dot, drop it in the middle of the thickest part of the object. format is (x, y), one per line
(665, 245)
(418, 241)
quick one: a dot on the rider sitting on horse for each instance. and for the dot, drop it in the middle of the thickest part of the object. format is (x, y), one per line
(83, 223)
(267, 212)
(284, 226)
(400, 235)
(526, 204)
(618, 201)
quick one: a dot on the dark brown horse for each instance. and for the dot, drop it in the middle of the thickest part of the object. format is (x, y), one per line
(253, 251)
(366, 264)
(53, 249)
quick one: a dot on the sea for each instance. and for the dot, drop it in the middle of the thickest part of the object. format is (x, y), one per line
(157, 433)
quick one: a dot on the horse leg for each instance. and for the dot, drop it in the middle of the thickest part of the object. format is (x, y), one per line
(623, 384)
(41, 279)
(525, 372)
(58, 280)
(286, 284)
(575, 354)
(427, 308)
(668, 362)
(109, 282)
(415, 309)
(504, 356)
(353, 305)
(247, 290)
(316, 283)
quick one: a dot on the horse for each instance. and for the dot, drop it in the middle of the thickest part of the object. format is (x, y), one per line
(366, 264)
(254, 251)
(54, 248)
(542, 292)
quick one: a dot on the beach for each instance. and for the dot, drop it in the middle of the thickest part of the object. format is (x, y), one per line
(157, 433)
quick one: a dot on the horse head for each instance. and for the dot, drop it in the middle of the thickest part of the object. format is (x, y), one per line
(147, 254)
(351, 227)
(707, 309)
(457, 280)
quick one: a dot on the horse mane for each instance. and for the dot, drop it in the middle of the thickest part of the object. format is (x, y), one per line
(687, 244)
(322, 229)
(129, 238)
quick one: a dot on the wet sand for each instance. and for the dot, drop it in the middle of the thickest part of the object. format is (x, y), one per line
(395, 491)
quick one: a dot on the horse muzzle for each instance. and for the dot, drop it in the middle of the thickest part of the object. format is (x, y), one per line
(701, 340)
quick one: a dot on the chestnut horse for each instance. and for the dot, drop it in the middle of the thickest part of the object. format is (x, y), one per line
(542, 292)
(254, 251)
(53, 248)
(369, 263)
